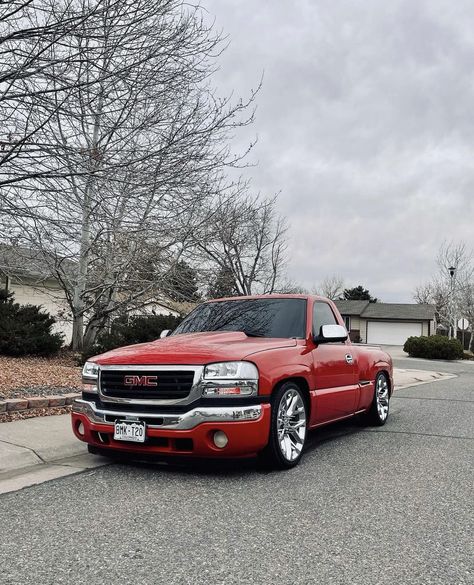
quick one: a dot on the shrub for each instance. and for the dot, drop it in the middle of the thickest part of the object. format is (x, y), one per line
(26, 329)
(131, 330)
(435, 347)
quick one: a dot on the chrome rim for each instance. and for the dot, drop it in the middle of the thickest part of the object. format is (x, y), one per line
(381, 393)
(291, 424)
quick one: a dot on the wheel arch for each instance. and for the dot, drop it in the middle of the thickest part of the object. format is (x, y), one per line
(303, 385)
(389, 380)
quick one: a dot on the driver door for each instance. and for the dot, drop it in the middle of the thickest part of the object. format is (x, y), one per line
(335, 372)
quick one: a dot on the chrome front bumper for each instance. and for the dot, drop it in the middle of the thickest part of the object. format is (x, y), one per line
(183, 421)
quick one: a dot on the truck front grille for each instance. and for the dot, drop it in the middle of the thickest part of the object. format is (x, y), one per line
(146, 384)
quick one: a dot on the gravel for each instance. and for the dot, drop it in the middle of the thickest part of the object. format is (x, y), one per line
(28, 391)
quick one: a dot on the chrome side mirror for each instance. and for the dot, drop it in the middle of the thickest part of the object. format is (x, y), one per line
(165, 333)
(331, 333)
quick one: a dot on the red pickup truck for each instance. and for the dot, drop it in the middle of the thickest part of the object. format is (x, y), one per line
(238, 377)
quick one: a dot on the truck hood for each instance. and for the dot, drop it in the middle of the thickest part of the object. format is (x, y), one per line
(193, 349)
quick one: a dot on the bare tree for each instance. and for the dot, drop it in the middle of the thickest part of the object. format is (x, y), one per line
(30, 72)
(246, 239)
(435, 293)
(128, 158)
(466, 298)
(331, 287)
(455, 271)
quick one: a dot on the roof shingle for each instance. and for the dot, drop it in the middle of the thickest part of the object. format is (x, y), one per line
(403, 311)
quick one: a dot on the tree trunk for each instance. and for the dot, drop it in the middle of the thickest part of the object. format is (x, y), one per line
(78, 333)
(93, 328)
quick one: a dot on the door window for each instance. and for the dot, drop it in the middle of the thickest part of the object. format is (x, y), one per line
(322, 315)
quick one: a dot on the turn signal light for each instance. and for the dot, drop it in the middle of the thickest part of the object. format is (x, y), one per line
(227, 391)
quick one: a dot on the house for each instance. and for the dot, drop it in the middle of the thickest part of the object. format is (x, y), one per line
(26, 273)
(386, 323)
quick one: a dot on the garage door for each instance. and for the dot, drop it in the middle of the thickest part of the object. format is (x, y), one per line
(390, 333)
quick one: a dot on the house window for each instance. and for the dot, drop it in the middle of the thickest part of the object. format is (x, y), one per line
(347, 322)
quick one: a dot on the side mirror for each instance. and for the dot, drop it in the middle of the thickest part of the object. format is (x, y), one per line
(331, 333)
(165, 333)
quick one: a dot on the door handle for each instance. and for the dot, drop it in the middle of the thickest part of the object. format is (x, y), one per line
(349, 358)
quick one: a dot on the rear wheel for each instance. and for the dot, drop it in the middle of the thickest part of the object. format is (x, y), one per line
(288, 428)
(378, 413)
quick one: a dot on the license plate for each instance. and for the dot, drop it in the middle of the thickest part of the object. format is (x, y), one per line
(130, 430)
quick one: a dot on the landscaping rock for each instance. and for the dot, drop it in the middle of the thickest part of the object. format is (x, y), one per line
(15, 404)
(38, 402)
(71, 396)
(57, 401)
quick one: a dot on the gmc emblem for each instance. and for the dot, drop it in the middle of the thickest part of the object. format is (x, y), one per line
(140, 380)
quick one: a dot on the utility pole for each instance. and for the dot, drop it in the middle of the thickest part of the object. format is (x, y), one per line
(452, 272)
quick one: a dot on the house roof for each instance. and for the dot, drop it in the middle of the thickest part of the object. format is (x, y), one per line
(22, 261)
(351, 307)
(404, 311)
(399, 311)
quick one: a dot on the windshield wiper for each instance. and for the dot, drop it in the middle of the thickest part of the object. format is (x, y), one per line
(252, 333)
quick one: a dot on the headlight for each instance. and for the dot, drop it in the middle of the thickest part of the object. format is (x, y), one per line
(233, 370)
(230, 379)
(90, 370)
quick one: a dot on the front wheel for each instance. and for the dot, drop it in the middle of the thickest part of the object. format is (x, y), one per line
(288, 428)
(378, 413)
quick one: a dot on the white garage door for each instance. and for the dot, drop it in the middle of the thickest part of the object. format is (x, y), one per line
(390, 333)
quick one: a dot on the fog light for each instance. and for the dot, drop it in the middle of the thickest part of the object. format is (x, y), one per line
(80, 428)
(220, 439)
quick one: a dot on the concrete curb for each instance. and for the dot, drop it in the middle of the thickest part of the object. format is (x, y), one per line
(405, 378)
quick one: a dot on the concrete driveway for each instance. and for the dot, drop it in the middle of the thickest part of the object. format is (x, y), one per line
(390, 505)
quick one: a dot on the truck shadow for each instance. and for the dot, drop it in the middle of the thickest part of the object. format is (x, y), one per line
(219, 467)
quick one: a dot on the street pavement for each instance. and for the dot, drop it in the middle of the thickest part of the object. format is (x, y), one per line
(366, 505)
(44, 448)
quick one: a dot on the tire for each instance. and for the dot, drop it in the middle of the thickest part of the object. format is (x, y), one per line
(288, 428)
(377, 414)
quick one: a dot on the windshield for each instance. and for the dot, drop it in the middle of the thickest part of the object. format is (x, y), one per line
(255, 317)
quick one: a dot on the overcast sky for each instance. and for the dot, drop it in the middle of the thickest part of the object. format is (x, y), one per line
(365, 124)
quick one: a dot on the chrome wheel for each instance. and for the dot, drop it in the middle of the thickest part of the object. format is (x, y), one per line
(381, 397)
(291, 424)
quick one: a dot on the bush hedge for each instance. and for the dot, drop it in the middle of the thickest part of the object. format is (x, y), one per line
(26, 329)
(434, 347)
(131, 330)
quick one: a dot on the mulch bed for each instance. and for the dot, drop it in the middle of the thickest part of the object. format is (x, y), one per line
(35, 376)
(33, 412)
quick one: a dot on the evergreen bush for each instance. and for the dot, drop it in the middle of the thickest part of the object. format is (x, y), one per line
(434, 347)
(132, 330)
(26, 329)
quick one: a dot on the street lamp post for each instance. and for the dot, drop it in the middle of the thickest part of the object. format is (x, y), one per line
(452, 272)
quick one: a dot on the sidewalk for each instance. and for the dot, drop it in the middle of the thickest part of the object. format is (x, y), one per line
(39, 449)
(35, 450)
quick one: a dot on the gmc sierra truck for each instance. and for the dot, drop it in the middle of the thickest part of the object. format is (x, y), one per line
(238, 377)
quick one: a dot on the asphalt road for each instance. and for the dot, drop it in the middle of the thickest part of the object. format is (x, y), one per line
(369, 506)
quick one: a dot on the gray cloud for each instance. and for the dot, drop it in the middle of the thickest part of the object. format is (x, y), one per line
(366, 126)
